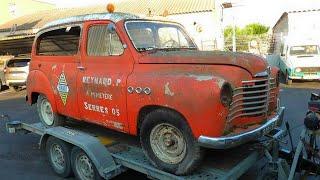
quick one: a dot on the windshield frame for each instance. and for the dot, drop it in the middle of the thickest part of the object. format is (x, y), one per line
(160, 22)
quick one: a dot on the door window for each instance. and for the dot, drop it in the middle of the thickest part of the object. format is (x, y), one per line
(103, 42)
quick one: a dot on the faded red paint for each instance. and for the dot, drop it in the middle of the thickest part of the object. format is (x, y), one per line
(188, 83)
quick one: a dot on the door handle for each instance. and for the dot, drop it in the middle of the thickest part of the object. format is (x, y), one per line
(81, 68)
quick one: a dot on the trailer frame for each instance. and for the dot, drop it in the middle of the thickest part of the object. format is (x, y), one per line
(116, 158)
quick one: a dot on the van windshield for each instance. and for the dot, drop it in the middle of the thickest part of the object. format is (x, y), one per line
(18, 63)
(148, 35)
(304, 50)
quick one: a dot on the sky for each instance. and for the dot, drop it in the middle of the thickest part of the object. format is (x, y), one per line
(266, 12)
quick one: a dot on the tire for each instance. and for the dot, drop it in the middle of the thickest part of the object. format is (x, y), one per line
(46, 115)
(82, 166)
(1, 86)
(168, 142)
(287, 80)
(14, 88)
(59, 156)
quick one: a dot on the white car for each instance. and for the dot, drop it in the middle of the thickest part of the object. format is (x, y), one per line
(301, 61)
(16, 72)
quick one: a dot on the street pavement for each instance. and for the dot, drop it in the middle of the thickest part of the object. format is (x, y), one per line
(20, 157)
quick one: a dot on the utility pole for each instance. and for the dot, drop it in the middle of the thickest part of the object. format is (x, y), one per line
(234, 45)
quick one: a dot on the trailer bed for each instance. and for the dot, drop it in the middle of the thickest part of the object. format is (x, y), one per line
(218, 164)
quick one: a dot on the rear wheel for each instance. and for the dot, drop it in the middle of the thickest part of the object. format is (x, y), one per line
(1, 86)
(14, 88)
(58, 153)
(82, 165)
(168, 142)
(46, 114)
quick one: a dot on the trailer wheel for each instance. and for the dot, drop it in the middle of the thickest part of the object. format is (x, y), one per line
(82, 165)
(168, 142)
(58, 153)
(46, 114)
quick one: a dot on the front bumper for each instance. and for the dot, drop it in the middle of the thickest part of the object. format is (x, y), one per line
(226, 142)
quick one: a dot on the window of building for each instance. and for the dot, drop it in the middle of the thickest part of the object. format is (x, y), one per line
(103, 42)
(59, 42)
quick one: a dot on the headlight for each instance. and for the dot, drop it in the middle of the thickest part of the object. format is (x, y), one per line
(297, 70)
(226, 94)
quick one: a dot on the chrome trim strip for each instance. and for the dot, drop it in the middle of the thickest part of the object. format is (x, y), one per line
(250, 92)
(226, 142)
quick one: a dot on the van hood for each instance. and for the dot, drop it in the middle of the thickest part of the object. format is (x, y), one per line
(305, 61)
(251, 63)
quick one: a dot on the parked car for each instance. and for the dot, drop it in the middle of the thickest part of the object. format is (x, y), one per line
(148, 78)
(300, 60)
(16, 72)
(3, 64)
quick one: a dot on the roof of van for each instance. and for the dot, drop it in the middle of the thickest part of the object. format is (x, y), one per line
(115, 17)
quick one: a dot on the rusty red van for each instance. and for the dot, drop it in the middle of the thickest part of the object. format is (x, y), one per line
(148, 78)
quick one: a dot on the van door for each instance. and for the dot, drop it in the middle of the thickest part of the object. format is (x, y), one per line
(57, 55)
(102, 75)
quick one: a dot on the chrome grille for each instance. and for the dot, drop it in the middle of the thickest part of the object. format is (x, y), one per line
(310, 69)
(253, 98)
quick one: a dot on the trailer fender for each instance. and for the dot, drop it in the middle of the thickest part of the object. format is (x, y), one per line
(98, 154)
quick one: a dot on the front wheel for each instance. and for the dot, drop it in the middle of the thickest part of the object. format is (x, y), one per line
(287, 79)
(168, 142)
(46, 114)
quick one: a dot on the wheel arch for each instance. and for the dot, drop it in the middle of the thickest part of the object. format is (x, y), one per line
(34, 88)
(145, 110)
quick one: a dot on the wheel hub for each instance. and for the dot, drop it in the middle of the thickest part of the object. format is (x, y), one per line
(47, 113)
(57, 157)
(167, 143)
(85, 167)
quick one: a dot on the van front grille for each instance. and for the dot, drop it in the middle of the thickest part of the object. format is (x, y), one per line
(253, 98)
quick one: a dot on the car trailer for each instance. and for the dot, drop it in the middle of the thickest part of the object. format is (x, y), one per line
(112, 159)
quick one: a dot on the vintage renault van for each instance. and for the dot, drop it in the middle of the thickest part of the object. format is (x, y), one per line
(148, 78)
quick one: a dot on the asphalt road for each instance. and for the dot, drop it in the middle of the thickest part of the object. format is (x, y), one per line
(20, 157)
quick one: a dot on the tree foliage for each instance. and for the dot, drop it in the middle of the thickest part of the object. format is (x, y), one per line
(250, 29)
(244, 35)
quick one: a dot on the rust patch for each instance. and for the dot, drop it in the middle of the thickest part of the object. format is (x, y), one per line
(167, 90)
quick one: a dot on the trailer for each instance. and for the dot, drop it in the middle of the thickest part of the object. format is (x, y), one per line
(88, 154)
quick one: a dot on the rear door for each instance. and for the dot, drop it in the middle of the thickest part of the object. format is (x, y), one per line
(57, 57)
(102, 75)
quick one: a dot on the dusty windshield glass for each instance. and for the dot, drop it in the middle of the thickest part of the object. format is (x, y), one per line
(304, 50)
(158, 35)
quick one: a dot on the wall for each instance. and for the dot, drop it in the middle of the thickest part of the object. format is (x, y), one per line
(22, 7)
(306, 23)
(280, 31)
(202, 28)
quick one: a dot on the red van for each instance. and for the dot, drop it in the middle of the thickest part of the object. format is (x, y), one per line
(148, 78)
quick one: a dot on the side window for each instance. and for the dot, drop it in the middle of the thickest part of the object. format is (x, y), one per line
(102, 42)
(59, 42)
